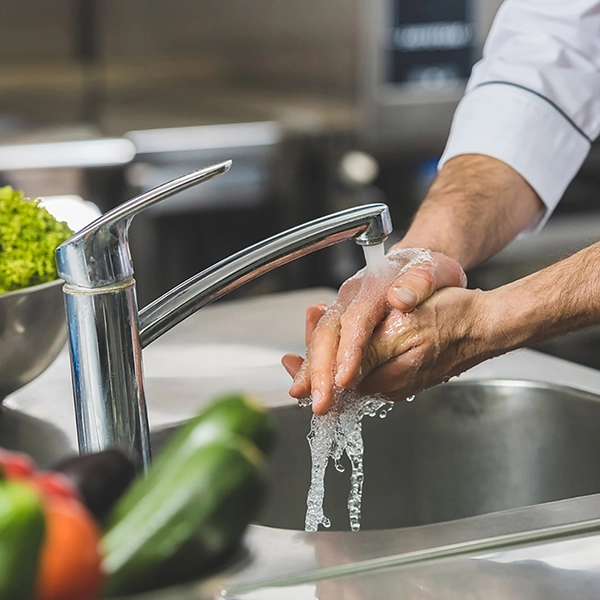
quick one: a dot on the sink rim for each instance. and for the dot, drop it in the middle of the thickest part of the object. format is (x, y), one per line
(378, 549)
(288, 401)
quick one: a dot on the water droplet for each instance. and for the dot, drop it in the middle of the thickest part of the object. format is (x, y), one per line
(410, 398)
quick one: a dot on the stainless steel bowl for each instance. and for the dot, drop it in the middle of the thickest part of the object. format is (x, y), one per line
(32, 333)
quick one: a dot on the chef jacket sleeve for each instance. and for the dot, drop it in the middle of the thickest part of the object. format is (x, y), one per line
(533, 100)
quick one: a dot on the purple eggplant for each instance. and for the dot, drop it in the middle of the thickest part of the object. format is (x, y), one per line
(100, 478)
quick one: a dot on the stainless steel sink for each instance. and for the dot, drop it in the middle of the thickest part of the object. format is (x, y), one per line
(459, 450)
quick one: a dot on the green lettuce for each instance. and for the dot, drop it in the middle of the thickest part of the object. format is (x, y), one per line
(29, 235)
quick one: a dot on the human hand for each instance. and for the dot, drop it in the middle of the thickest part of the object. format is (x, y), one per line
(337, 335)
(410, 352)
(443, 337)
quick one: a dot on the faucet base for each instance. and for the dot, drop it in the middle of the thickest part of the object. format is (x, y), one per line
(110, 407)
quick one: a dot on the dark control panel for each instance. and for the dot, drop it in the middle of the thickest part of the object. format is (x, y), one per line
(430, 43)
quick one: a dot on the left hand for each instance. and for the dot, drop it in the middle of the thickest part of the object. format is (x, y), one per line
(410, 352)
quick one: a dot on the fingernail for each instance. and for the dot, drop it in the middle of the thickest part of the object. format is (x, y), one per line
(317, 396)
(405, 295)
(340, 374)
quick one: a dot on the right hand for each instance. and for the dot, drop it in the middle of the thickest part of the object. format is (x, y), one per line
(338, 335)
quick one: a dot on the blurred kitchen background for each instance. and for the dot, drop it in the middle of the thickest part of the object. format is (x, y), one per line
(322, 104)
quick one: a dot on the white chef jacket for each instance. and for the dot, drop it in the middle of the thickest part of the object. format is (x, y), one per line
(533, 101)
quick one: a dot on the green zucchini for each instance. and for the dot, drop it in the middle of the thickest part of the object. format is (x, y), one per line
(192, 510)
(242, 414)
(239, 414)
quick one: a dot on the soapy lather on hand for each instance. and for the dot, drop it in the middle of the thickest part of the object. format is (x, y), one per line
(338, 336)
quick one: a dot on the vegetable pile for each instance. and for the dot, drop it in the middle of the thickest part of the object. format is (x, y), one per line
(89, 529)
(29, 235)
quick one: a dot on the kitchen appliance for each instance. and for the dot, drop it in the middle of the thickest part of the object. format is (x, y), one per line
(416, 59)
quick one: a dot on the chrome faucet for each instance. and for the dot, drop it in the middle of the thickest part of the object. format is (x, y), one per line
(106, 331)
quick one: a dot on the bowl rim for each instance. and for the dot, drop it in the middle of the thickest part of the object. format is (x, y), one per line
(33, 288)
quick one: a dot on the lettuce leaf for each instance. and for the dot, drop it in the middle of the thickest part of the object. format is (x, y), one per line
(29, 235)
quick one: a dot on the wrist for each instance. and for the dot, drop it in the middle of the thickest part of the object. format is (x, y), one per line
(480, 331)
(463, 316)
(515, 317)
(484, 326)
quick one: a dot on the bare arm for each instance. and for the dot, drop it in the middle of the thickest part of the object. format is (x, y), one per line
(474, 208)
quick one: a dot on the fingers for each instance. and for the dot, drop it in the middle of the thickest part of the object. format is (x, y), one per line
(299, 369)
(321, 354)
(314, 376)
(395, 379)
(394, 358)
(317, 370)
(412, 288)
(418, 283)
(392, 338)
(313, 316)
(357, 325)
(295, 365)
(292, 364)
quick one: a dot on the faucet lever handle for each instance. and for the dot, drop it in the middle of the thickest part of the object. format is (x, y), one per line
(98, 254)
(133, 207)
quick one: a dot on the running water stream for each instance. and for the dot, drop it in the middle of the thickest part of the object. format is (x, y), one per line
(339, 431)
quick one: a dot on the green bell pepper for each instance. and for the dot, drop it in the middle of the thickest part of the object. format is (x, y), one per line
(22, 527)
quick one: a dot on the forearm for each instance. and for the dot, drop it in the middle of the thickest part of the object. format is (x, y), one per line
(474, 208)
(561, 298)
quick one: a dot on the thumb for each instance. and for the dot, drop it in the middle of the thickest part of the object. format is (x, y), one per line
(419, 283)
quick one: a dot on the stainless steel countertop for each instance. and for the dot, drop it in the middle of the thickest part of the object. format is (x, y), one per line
(238, 345)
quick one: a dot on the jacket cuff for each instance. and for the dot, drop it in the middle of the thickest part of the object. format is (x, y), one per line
(524, 130)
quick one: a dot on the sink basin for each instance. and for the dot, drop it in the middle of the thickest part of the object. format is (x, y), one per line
(459, 450)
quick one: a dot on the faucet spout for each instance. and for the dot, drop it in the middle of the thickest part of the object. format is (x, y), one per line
(107, 332)
(369, 224)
